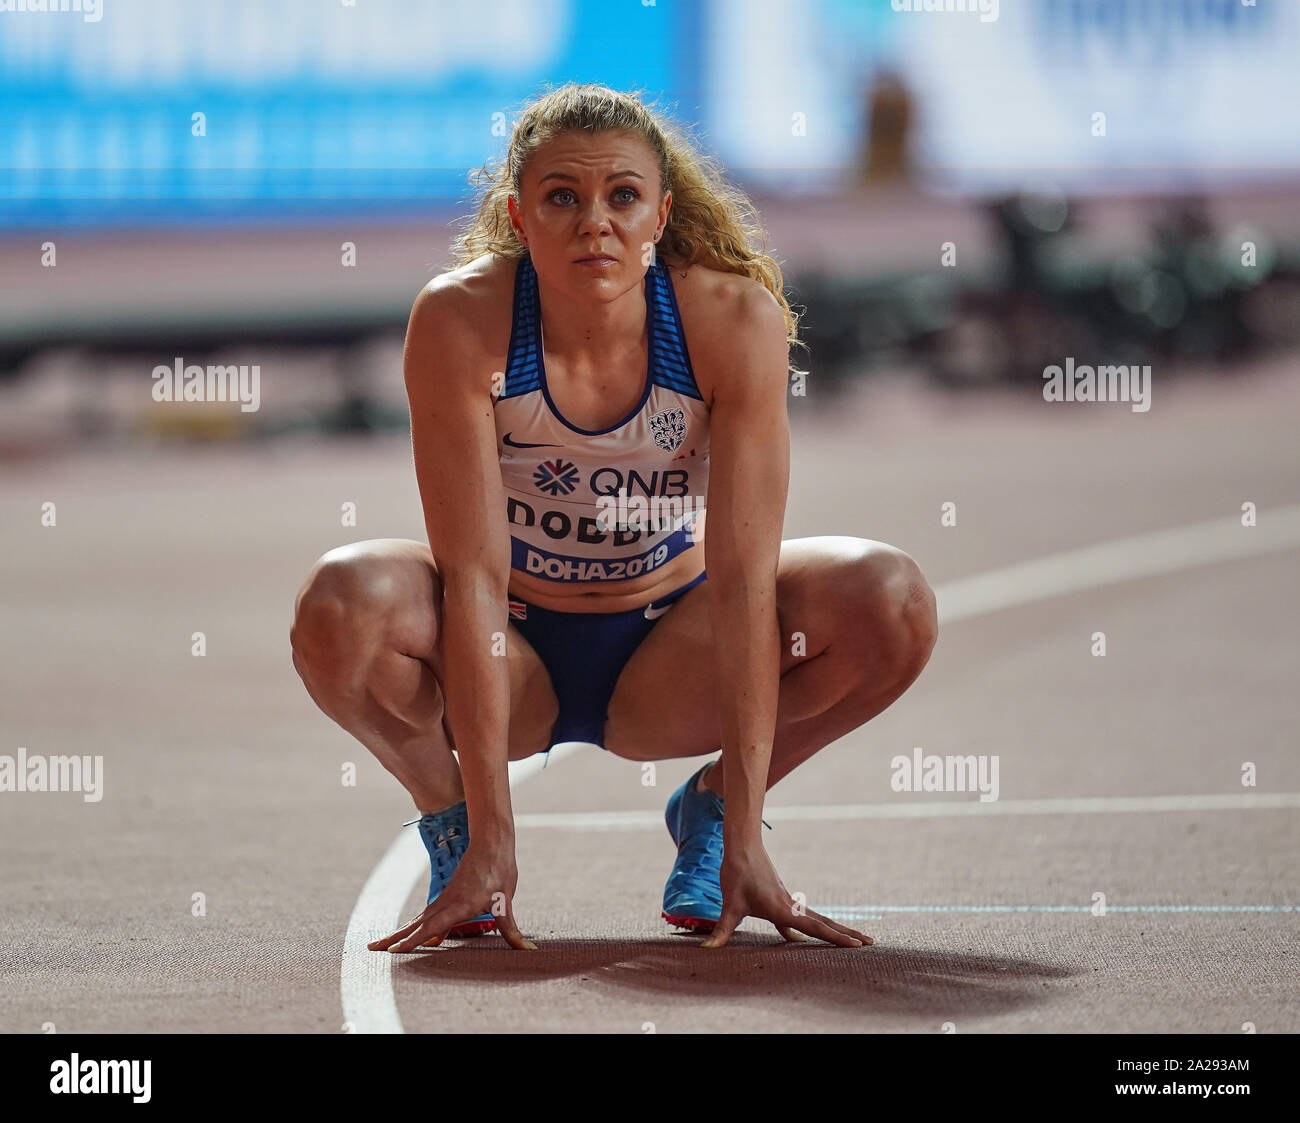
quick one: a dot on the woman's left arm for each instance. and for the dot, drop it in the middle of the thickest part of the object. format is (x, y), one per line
(749, 476)
(749, 473)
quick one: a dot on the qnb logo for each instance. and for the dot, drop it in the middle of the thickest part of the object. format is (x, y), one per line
(670, 481)
(556, 477)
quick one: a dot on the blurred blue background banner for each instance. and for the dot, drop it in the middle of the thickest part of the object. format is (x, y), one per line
(1192, 90)
(309, 106)
(318, 108)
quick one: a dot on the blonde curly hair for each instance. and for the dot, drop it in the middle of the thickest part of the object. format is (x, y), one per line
(711, 222)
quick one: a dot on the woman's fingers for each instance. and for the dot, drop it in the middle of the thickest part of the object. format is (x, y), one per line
(826, 930)
(722, 930)
(426, 930)
(431, 932)
(510, 930)
(430, 928)
(794, 929)
(843, 928)
(382, 945)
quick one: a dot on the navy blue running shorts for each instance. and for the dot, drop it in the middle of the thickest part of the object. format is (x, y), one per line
(585, 652)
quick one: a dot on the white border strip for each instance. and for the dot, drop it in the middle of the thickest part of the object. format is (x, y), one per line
(369, 1005)
(943, 809)
(875, 912)
(1126, 559)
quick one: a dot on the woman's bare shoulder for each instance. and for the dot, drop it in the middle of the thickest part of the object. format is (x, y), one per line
(709, 301)
(475, 289)
(708, 298)
(702, 283)
(467, 312)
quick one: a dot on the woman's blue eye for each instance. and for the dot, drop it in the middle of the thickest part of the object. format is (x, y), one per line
(618, 191)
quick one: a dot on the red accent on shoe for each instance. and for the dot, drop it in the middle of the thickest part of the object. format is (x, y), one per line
(473, 928)
(693, 922)
(468, 929)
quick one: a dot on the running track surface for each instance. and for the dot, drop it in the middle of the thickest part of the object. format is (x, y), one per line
(221, 778)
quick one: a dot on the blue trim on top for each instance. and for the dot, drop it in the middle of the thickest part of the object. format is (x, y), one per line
(668, 364)
(675, 369)
(522, 373)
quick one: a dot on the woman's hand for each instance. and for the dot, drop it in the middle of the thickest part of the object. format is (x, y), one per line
(752, 887)
(484, 882)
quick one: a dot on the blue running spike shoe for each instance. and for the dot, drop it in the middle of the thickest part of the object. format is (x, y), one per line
(693, 895)
(446, 836)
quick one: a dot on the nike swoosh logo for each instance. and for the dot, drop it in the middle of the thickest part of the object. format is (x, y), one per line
(524, 444)
(652, 613)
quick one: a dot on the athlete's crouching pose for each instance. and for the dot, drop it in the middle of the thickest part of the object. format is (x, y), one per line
(609, 353)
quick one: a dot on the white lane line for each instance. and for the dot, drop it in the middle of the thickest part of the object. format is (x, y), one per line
(654, 820)
(368, 1002)
(1126, 559)
(875, 912)
(367, 980)
(367, 976)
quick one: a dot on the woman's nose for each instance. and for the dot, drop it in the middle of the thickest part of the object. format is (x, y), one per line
(594, 218)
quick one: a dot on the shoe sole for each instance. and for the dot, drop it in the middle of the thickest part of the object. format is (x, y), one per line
(692, 923)
(473, 928)
(469, 928)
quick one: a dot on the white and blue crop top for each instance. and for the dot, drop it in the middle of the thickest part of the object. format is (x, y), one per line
(601, 504)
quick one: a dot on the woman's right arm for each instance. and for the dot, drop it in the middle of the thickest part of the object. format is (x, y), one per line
(459, 475)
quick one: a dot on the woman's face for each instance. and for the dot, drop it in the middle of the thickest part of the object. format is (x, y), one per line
(590, 195)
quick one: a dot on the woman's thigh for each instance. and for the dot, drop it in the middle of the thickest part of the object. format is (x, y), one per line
(398, 580)
(828, 589)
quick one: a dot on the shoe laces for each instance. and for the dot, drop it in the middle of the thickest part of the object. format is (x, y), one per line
(701, 852)
(450, 844)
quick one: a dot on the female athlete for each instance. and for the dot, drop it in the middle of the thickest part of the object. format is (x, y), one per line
(608, 353)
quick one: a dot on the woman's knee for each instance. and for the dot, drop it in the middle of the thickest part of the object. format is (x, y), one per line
(355, 599)
(880, 601)
(895, 585)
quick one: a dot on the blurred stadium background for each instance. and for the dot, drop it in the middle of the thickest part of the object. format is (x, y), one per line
(868, 137)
